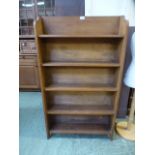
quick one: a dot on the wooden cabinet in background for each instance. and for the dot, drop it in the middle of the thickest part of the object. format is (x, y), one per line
(28, 77)
(28, 68)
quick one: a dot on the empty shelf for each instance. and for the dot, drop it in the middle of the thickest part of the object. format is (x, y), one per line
(80, 36)
(26, 36)
(100, 129)
(80, 110)
(80, 64)
(79, 88)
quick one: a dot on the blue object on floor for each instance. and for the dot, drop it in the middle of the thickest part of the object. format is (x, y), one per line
(33, 141)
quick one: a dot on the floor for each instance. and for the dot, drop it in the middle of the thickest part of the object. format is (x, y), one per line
(33, 140)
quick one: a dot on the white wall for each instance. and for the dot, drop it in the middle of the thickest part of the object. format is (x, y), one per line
(111, 8)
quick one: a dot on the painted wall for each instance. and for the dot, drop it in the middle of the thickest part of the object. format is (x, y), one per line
(111, 8)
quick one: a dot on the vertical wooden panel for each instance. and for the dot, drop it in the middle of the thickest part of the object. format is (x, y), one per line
(38, 27)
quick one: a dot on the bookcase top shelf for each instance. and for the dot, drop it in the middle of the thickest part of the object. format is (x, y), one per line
(77, 27)
(80, 64)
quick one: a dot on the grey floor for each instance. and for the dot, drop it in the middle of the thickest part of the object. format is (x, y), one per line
(33, 138)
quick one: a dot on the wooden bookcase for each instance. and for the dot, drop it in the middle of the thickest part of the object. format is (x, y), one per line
(81, 63)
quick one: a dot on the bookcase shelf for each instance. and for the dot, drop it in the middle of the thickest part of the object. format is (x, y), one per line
(80, 64)
(80, 110)
(80, 36)
(81, 68)
(79, 88)
(96, 129)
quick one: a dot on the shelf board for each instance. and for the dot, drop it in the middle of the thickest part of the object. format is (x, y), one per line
(79, 88)
(95, 129)
(26, 36)
(23, 54)
(80, 36)
(80, 64)
(80, 110)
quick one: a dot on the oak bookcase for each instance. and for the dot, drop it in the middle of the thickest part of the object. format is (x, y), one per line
(81, 62)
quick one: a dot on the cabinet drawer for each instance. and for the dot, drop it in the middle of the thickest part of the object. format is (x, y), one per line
(27, 46)
(27, 62)
(28, 77)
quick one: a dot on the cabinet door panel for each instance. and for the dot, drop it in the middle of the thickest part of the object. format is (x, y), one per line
(27, 46)
(28, 77)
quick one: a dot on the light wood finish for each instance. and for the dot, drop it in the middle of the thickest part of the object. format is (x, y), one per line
(81, 65)
(126, 129)
(132, 111)
(28, 72)
(79, 88)
(80, 36)
(125, 132)
(38, 30)
(74, 26)
(123, 28)
(101, 50)
(25, 72)
(28, 68)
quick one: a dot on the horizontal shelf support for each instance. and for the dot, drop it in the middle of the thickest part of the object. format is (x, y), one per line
(67, 88)
(80, 36)
(79, 64)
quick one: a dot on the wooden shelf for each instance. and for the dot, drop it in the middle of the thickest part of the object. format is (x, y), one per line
(80, 110)
(24, 54)
(79, 88)
(80, 64)
(95, 129)
(26, 36)
(80, 36)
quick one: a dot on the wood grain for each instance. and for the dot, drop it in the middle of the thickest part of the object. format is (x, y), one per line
(81, 50)
(81, 65)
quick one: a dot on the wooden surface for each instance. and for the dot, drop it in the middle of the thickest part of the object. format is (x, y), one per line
(79, 36)
(74, 70)
(79, 88)
(79, 129)
(75, 26)
(124, 131)
(80, 110)
(81, 50)
(81, 76)
(28, 72)
(80, 64)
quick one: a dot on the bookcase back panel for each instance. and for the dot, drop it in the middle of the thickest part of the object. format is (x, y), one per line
(80, 98)
(80, 119)
(80, 76)
(75, 26)
(81, 50)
